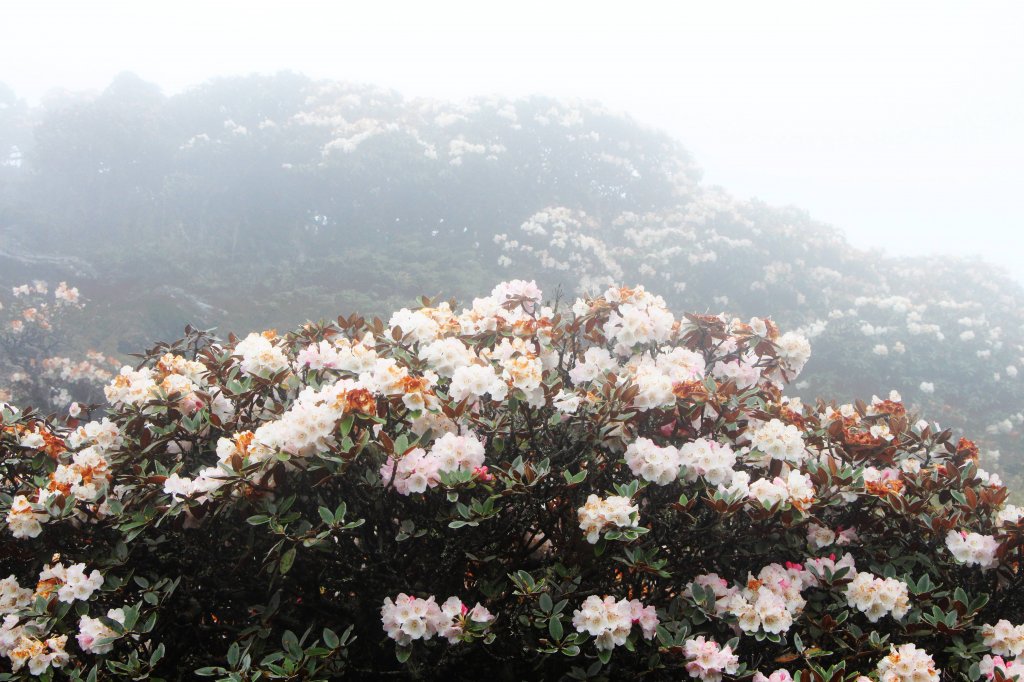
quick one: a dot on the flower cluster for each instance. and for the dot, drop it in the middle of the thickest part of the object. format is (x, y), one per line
(25, 520)
(778, 440)
(27, 640)
(600, 514)
(768, 602)
(407, 618)
(795, 489)
(338, 353)
(1004, 638)
(92, 632)
(708, 459)
(780, 675)
(876, 597)
(707, 660)
(260, 354)
(659, 465)
(1009, 670)
(907, 663)
(417, 469)
(610, 620)
(973, 548)
(173, 378)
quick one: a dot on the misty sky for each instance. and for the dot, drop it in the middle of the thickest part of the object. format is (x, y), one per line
(901, 123)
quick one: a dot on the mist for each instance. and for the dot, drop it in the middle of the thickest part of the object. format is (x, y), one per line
(900, 125)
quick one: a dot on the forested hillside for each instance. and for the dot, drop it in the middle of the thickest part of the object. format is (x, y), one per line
(258, 202)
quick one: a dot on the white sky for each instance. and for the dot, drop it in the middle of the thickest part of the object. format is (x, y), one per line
(900, 122)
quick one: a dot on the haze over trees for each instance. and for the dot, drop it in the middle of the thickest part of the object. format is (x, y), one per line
(247, 203)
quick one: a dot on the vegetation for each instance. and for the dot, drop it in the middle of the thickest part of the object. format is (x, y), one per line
(598, 490)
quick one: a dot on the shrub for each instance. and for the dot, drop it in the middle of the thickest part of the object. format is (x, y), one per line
(516, 491)
(32, 332)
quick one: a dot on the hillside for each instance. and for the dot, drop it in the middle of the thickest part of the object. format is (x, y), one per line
(257, 202)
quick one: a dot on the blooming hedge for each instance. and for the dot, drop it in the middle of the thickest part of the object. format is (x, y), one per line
(595, 490)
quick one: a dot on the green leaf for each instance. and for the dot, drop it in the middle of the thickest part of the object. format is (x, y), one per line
(291, 644)
(331, 638)
(346, 424)
(287, 559)
(555, 629)
(234, 653)
(210, 671)
(402, 653)
(157, 654)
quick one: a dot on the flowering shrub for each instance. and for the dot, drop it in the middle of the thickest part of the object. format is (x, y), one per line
(32, 332)
(618, 491)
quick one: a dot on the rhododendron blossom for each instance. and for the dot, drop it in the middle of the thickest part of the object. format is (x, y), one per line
(972, 548)
(1009, 670)
(778, 441)
(1004, 638)
(407, 618)
(417, 470)
(709, 661)
(653, 463)
(877, 597)
(598, 515)
(92, 630)
(907, 663)
(708, 459)
(610, 620)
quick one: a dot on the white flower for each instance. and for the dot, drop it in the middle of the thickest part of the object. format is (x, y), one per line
(778, 440)
(659, 465)
(973, 548)
(260, 355)
(709, 661)
(78, 585)
(709, 459)
(23, 520)
(819, 537)
(447, 355)
(92, 630)
(612, 512)
(876, 597)
(907, 663)
(475, 381)
(1004, 638)
(610, 620)
(408, 618)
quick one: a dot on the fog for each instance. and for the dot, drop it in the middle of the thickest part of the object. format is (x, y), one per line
(851, 172)
(901, 124)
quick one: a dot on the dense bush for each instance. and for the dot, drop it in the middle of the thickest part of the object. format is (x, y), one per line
(595, 490)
